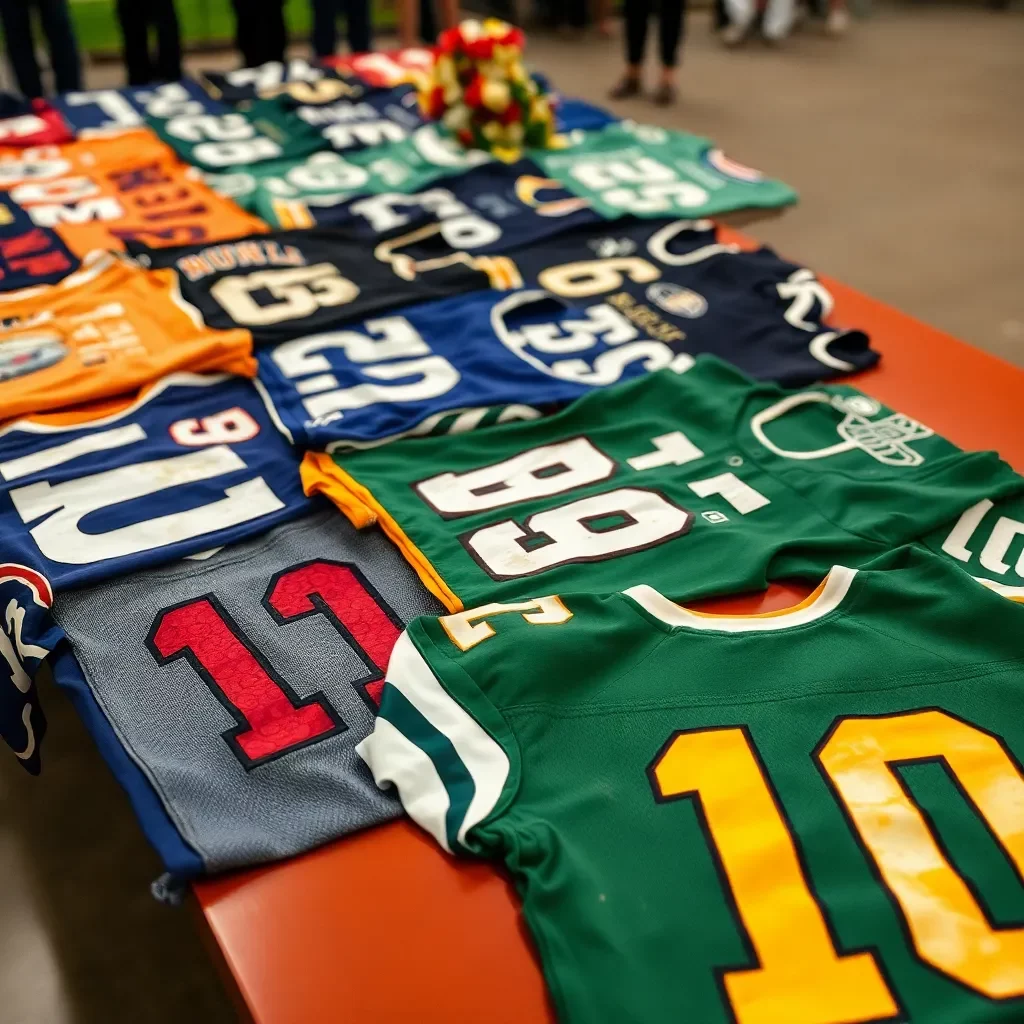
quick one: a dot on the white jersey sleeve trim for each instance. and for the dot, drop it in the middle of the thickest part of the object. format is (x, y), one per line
(482, 757)
(827, 599)
(394, 759)
(1013, 593)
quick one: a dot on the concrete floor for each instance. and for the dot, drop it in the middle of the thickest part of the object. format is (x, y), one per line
(905, 141)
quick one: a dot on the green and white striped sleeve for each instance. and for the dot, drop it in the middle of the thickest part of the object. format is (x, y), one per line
(439, 740)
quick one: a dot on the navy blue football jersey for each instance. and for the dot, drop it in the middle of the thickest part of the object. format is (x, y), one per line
(573, 114)
(680, 285)
(30, 254)
(291, 283)
(102, 111)
(451, 366)
(490, 209)
(196, 462)
(308, 81)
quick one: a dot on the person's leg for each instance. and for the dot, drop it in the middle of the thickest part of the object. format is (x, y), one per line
(168, 41)
(576, 11)
(357, 15)
(449, 11)
(408, 23)
(244, 31)
(428, 23)
(637, 13)
(268, 36)
(17, 24)
(325, 27)
(135, 41)
(61, 42)
(670, 35)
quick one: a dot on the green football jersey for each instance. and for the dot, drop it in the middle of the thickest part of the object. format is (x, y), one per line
(698, 483)
(219, 143)
(810, 817)
(654, 172)
(282, 193)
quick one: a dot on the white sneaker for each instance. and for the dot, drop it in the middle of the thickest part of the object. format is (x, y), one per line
(734, 33)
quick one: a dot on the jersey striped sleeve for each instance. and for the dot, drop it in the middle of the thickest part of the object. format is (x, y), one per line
(451, 772)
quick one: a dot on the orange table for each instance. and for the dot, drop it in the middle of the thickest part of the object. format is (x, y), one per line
(383, 927)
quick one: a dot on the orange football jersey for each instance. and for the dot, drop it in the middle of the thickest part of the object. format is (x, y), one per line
(108, 329)
(100, 193)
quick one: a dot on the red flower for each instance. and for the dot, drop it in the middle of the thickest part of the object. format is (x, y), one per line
(449, 40)
(512, 113)
(465, 137)
(435, 102)
(473, 95)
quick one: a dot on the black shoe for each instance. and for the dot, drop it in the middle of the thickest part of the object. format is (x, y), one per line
(627, 87)
(664, 95)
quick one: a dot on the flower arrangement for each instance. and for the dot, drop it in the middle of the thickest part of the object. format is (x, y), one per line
(481, 92)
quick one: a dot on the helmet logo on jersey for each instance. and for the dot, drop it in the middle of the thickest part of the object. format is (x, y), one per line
(528, 186)
(888, 439)
(674, 298)
(22, 356)
(731, 168)
(607, 248)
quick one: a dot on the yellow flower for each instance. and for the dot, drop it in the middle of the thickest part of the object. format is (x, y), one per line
(540, 109)
(507, 154)
(514, 134)
(496, 96)
(457, 117)
(471, 30)
(491, 131)
(452, 94)
(495, 27)
(444, 70)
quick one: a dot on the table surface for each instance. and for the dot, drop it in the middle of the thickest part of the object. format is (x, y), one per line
(385, 927)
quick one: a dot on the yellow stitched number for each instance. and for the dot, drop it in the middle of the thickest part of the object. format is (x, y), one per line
(592, 277)
(948, 928)
(759, 859)
(758, 856)
(469, 628)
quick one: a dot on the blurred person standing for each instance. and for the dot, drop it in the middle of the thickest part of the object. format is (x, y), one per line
(136, 17)
(260, 33)
(670, 36)
(325, 25)
(16, 17)
(417, 22)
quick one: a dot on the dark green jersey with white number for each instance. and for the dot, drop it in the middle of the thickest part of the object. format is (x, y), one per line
(814, 817)
(698, 483)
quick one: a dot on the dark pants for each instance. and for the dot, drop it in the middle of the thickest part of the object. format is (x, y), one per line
(670, 29)
(136, 16)
(325, 20)
(260, 34)
(16, 16)
(569, 12)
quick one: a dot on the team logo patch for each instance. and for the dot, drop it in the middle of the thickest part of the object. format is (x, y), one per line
(731, 168)
(23, 356)
(674, 298)
(607, 248)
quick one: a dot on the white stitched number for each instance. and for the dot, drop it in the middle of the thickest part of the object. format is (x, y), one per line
(60, 536)
(388, 338)
(299, 291)
(222, 140)
(657, 190)
(591, 528)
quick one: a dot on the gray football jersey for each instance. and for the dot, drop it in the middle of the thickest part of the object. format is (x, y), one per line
(228, 693)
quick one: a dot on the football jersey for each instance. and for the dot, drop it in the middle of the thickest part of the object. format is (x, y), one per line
(30, 255)
(490, 209)
(109, 111)
(677, 283)
(573, 114)
(306, 81)
(812, 815)
(227, 694)
(108, 329)
(291, 283)
(699, 483)
(101, 193)
(373, 117)
(40, 125)
(193, 463)
(656, 172)
(450, 366)
(386, 67)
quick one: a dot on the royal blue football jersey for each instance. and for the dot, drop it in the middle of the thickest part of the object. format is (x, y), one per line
(573, 114)
(100, 111)
(30, 254)
(452, 365)
(490, 209)
(193, 464)
(680, 285)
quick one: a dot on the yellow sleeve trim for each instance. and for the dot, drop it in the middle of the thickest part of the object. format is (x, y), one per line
(322, 475)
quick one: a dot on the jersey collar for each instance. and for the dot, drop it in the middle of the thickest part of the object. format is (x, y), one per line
(826, 598)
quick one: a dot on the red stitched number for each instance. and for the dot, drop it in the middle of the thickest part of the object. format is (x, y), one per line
(272, 719)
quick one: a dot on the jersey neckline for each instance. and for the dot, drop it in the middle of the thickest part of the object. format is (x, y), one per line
(828, 596)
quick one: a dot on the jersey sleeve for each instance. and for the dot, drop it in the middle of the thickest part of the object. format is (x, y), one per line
(28, 634)
(439, 740)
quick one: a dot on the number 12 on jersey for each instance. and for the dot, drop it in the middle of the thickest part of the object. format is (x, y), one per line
(801, 977)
